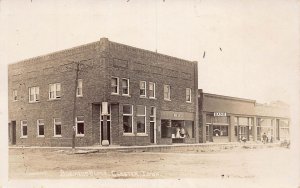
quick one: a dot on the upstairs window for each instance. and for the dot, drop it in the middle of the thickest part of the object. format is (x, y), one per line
(79, 88)
(151, 90)
(142, 88)
(79, 126)
(114, 85)
(54, 91)
(125, 86)
(34, 94)
(188, 95)
(15, 95)
(167, 92)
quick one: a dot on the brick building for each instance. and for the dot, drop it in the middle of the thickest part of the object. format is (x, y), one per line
(151, 97)
(229, 119)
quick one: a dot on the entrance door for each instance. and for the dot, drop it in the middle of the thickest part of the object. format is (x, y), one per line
(152, 133)
(107, 133)
(13, 134)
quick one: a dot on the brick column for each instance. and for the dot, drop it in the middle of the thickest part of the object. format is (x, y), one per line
(231, 128)
(254, 129)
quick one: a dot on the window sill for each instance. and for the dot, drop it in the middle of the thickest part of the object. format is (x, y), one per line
(153, 98)
(115, 94)
(128, 134)
(188, 102)
(57, 136)
(41, 136)
(167, 99)
(143, 97)
(57, 99)
(23, 137)
(32, 102)
(79, 96)
(126, 95)
(142, 134)
(80, 135)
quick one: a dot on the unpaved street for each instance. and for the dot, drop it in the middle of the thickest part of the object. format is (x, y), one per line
(273, 163)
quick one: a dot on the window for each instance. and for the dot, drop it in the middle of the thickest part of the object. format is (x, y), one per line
(152, 90)
(188, 95)
(166, 129)
(24, 129)
(167, 92)
(15, 95)
(125, 86)
(141, 119)
(79, 126)
(220, 130)
(40, 128)
(114, 85)
(79, 88)
(127, 119)
(142, 88)
(57, 127)
(34, 94)
(54, 91)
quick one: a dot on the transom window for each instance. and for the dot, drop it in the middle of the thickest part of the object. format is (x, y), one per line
(34, 94)
(40, 128)
(151, 90)
(167, 92)
(141, 119)
(54, 91)
(80, 126)
(188, 95)
(114, 85)
(79, 88)
(57, 127)
(24, 129)
(127, 119)
(142, 88)
(125, 86)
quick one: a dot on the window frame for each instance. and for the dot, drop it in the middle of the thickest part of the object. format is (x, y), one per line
(23, 125)
(154, 88)
(118, 86)
(78, 88)
(15, 95)
(56, 123)
(55, 96)
(153, 121)
(38, 127)
(36, 94)
(76, 124)
(169, 93)
(145, 119)
(131, 115)
(145, 89)
(126, 94)
(188, 93)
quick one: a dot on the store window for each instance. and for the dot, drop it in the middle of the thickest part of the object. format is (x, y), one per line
(166, 129)
(127, 119)
(220, 130)
(141, 119)
(40, 128)
(177, 129)
(143, 89)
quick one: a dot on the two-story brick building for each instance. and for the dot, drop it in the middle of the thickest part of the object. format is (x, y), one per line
(151, 97)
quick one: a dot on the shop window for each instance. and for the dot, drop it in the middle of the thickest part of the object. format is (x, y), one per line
(127, 119)
(40, 127)
(152, 90)
(189, 127)
(24, 129)
(141, 119)
(114, 85)
(188, 95)
(79, 88)
(15, 95)
(125, 86)
(166, 130)
(80, 126)
(220, 130)
(54, 91)
(142, 88)
(57, 127)
(221, 119)
(167, 92)
(34, 94)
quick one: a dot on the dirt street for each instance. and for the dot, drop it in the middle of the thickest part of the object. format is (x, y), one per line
(273, 163)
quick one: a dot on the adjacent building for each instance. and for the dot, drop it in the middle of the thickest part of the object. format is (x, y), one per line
(103, 92)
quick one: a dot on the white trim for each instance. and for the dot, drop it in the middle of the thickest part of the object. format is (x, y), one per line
(76, 123)
(38, 128)
(22, 125)
(118, 89)
(190, 95)
(36, 94)
(145, 120)
(154, 90)
(169, 94)
(54, 128)
(55, 90)
(145, 89)
(131, 115)
(154, 121)
(128, 88)
(77, 88)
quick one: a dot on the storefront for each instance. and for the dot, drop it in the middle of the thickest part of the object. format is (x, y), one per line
(217, 128)
(243, 128)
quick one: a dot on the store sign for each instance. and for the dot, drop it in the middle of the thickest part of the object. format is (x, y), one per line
(178, 115)
(220, 114)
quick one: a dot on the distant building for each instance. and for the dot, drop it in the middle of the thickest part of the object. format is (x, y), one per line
(230, 119)
(150, 96)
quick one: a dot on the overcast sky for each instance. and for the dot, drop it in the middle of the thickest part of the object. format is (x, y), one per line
(259, 39)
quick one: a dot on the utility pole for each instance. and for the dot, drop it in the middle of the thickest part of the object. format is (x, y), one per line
(75, 106)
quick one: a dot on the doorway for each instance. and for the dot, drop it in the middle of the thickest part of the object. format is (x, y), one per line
(13, 132)
(102, 128)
